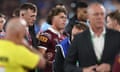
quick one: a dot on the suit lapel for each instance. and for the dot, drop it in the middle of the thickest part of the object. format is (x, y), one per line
(106, 45)
(90, 45)
(91, 49)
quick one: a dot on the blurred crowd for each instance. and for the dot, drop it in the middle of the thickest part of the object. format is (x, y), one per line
(59, 36)
(44, 6)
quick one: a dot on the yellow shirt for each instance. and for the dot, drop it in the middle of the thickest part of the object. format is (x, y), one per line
(15, 58)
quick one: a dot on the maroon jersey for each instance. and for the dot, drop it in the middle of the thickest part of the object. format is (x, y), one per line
(48, 40)
(116, 66)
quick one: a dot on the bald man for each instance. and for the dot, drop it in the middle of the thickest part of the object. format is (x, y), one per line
(95, 48)
(14, 56)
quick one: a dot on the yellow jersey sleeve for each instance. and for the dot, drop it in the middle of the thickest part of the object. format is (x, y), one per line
(26, 58)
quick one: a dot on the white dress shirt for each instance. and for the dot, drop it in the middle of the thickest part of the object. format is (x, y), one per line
(98, 43)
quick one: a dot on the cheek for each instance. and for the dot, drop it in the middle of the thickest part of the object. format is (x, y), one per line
(29, 18)
(79, 14)
(1, 24)
(83, 14)
(57, 21)
(74, 31)
(54, 19)
(109, 22)
(92, 20)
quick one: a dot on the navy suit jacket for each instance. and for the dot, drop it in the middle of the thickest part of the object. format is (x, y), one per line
(82, 51)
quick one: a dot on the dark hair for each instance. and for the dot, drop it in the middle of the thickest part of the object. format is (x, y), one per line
(54, 12)
(2, 15)
(115, 15)
(16, 12)
(27, 6)
(81, 26)
(80, 5)
(61, 4)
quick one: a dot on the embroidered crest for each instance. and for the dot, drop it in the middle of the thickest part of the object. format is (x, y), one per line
(43, 38)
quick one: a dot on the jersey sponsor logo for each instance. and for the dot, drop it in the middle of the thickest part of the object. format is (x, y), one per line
(43, 38)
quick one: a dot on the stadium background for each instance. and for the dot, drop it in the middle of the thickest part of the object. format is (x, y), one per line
(7, 6)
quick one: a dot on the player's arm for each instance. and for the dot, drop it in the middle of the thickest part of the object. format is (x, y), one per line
(29, 47)
(42, 49)
(43, 43)
(42, 62)
(30, 59)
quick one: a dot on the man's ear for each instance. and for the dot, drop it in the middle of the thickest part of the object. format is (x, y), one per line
(21, 14)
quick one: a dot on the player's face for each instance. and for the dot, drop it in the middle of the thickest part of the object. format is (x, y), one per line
(76, 30)
(109, 22)
(82, 14)
(30, 17)
(59, 20)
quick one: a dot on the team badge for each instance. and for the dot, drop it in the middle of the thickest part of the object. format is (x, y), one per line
(43, 38)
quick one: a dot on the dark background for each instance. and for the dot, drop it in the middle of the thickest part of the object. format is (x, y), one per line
(7, 6)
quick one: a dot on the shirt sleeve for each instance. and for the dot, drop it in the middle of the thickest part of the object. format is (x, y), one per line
(44, 40)
(26, 58)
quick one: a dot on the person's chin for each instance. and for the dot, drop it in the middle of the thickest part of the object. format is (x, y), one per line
(31, 24)
(100, 27)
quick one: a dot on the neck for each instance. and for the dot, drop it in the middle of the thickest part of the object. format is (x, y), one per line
(13, 39)
(97, 31)
(56, 28)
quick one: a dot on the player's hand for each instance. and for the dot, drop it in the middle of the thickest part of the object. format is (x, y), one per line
(90, 69)
(49, 55)
(103, 68)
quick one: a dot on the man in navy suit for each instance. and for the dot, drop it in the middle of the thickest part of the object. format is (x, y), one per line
(95, 49)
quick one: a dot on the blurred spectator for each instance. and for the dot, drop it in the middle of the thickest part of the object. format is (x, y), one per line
(115, 24)
(80, 16)
(113, 20)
